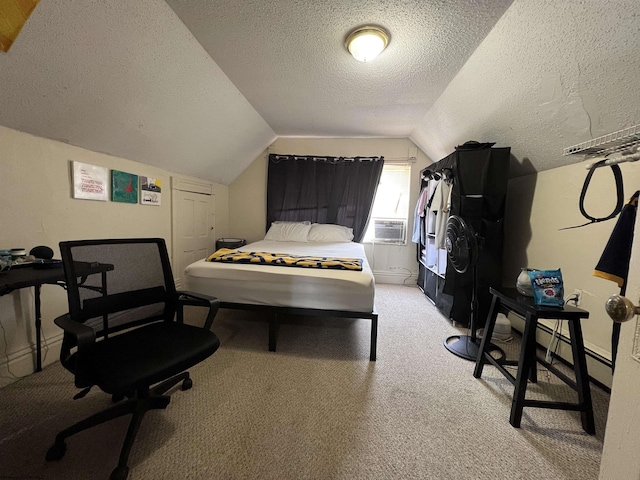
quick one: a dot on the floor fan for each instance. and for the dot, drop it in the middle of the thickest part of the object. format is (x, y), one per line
(463, 245)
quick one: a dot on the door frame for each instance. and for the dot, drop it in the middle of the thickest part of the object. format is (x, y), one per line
(184, 184)
(620, 450)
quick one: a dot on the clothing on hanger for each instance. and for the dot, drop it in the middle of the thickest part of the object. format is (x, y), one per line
(441, 204)
(614, 262)
(419, 212)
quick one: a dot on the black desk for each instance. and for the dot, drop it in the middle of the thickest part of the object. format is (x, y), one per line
(25, 277)
(28, 276)
(509, 299)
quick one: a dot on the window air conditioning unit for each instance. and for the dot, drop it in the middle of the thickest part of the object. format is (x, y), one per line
(390, 230)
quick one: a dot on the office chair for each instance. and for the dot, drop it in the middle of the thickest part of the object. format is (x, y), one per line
(124, 332)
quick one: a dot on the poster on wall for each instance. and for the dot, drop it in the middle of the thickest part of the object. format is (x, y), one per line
(90, 182)
(150, 191)
(124, 187)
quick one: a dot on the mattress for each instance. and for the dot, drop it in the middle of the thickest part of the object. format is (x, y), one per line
(288, 286)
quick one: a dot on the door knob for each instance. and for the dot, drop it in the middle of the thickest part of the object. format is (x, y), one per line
(621, 309)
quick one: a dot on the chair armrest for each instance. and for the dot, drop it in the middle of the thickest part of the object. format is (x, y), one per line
(198, 300)
(83, 334)
(75, 335)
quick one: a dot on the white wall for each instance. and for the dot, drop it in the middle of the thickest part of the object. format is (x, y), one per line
(538, 206)
(620, 459)
(38, 209)
(247, 196)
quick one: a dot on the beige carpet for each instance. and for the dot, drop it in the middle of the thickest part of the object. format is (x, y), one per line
(316, 409)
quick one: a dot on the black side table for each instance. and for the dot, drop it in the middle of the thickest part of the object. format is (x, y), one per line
(510, 300)
(230, 243)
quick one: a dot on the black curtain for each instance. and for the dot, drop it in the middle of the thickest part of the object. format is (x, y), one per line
(337, 190)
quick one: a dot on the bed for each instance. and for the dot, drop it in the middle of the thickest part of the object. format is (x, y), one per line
(292, 290)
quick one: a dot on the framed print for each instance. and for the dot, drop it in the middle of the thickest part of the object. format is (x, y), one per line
(90, 182)
(124, 187)
(150, 191)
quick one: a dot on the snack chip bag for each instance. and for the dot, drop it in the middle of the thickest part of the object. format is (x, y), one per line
(548, 289)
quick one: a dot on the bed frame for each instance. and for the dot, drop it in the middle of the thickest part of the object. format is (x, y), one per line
(274, 322)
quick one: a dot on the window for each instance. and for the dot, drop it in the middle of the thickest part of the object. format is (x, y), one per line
(390, 211)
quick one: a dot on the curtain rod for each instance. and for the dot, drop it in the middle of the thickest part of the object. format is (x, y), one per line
(318, 158)
(400, 159)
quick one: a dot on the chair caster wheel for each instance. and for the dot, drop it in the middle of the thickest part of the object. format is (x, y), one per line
(187, 383)
(119, 473)
(56, 452)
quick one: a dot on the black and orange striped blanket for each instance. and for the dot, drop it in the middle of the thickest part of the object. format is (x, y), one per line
(285, 260)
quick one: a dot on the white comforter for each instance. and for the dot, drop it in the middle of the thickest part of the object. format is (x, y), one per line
(288, 286)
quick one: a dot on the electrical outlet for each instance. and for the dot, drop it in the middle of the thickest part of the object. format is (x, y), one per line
(577, 294)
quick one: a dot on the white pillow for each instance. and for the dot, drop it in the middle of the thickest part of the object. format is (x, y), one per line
(288, 231)
(326, 232)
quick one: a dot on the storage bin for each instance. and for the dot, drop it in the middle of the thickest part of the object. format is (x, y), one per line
(431, 285)
(432, 252)
(442, 261)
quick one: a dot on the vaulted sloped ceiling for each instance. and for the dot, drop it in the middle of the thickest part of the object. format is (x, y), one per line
(288, 58)
(548, 76)
(202, 87)
(128, 78)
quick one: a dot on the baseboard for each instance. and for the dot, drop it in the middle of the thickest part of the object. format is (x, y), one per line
(23, 362)
(396, 277)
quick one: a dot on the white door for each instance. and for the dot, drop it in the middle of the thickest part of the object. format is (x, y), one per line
(193, 228)
(620, 459)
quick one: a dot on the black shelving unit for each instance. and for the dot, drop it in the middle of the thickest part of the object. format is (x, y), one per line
(478, 195)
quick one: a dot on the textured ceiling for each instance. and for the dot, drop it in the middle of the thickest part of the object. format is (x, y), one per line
(548, 76)
(129, 78)
(288, 58)
(202, 87)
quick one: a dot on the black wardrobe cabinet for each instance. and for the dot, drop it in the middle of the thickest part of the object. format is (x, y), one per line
(478, 195)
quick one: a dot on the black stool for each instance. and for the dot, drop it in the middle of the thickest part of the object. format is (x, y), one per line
(510, 300)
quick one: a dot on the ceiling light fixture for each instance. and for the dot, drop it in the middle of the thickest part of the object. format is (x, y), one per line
(366, 43)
